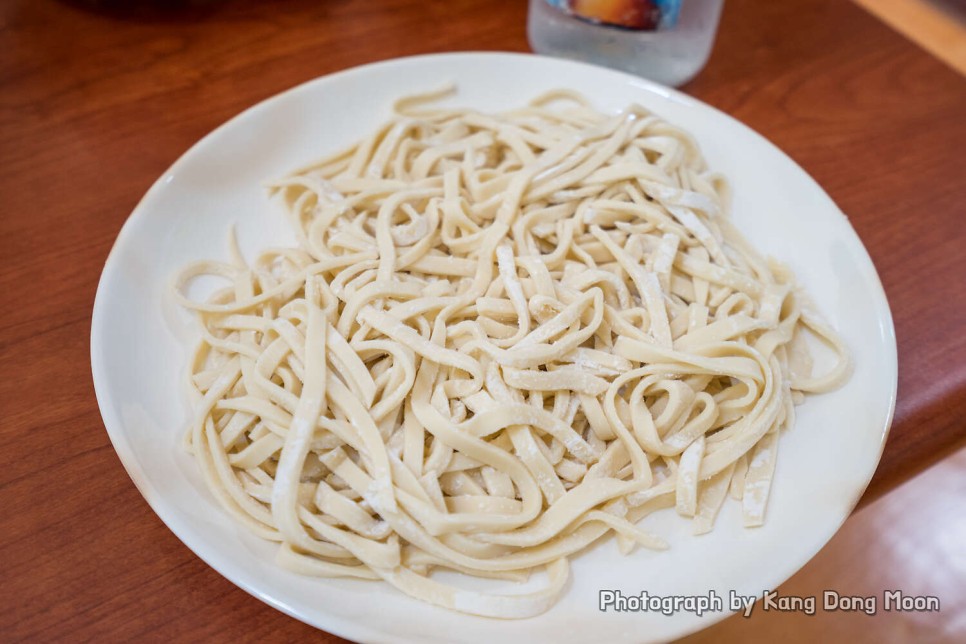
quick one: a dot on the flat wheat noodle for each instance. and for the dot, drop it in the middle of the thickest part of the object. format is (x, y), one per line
(501, 338)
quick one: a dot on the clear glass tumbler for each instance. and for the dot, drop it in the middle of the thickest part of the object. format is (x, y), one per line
(667, 41)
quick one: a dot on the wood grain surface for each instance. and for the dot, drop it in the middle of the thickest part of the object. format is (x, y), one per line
(94, 107)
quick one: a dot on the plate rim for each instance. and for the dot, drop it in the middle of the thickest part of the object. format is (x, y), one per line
(332, 622)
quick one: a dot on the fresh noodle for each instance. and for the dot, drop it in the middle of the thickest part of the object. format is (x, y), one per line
(501, 338)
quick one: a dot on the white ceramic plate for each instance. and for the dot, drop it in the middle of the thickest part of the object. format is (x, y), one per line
(139, 344)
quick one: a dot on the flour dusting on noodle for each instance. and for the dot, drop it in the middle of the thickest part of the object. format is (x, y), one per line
(501, 338)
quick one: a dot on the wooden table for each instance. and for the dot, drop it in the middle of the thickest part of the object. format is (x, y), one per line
(94, 108)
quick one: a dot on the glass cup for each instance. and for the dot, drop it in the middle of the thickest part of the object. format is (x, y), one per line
(667, 41)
